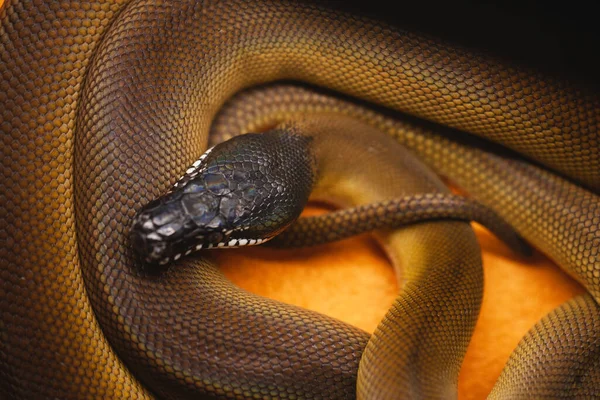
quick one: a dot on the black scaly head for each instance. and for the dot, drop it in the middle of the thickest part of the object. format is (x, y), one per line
(241, 192)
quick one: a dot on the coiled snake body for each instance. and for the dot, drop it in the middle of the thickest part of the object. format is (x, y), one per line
(104, 104)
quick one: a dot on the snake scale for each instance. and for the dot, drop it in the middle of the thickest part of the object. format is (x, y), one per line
(104, 104)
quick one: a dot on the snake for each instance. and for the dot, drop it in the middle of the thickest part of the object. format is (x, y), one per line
(106, 104)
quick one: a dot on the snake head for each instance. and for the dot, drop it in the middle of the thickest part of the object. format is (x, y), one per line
(241, 192)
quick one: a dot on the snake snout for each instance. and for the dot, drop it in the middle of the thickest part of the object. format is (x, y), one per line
(151, 227)
(152, 251)
(187, 219)
(158, 229)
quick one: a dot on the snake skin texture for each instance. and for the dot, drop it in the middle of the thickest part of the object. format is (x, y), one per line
(558, 358)
(337, 225)
(105, 104)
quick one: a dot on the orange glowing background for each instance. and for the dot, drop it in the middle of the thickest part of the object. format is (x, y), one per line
(352, 280)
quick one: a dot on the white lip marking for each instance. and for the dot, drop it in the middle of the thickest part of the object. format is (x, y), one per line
(221, 244)
(188, 252)
(232, 242)
(243, 242)
(252, 242)
(147, 225)
(198, 161)
(210, 246)
(198, 246)
(154, 236)
(163, 261)
(192, 171)
(229, 232)
(177, 257)
(202, 157)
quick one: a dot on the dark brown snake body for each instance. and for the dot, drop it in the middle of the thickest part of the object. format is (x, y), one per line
(105, 104)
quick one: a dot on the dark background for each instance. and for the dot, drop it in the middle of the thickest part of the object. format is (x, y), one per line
(562, 38)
